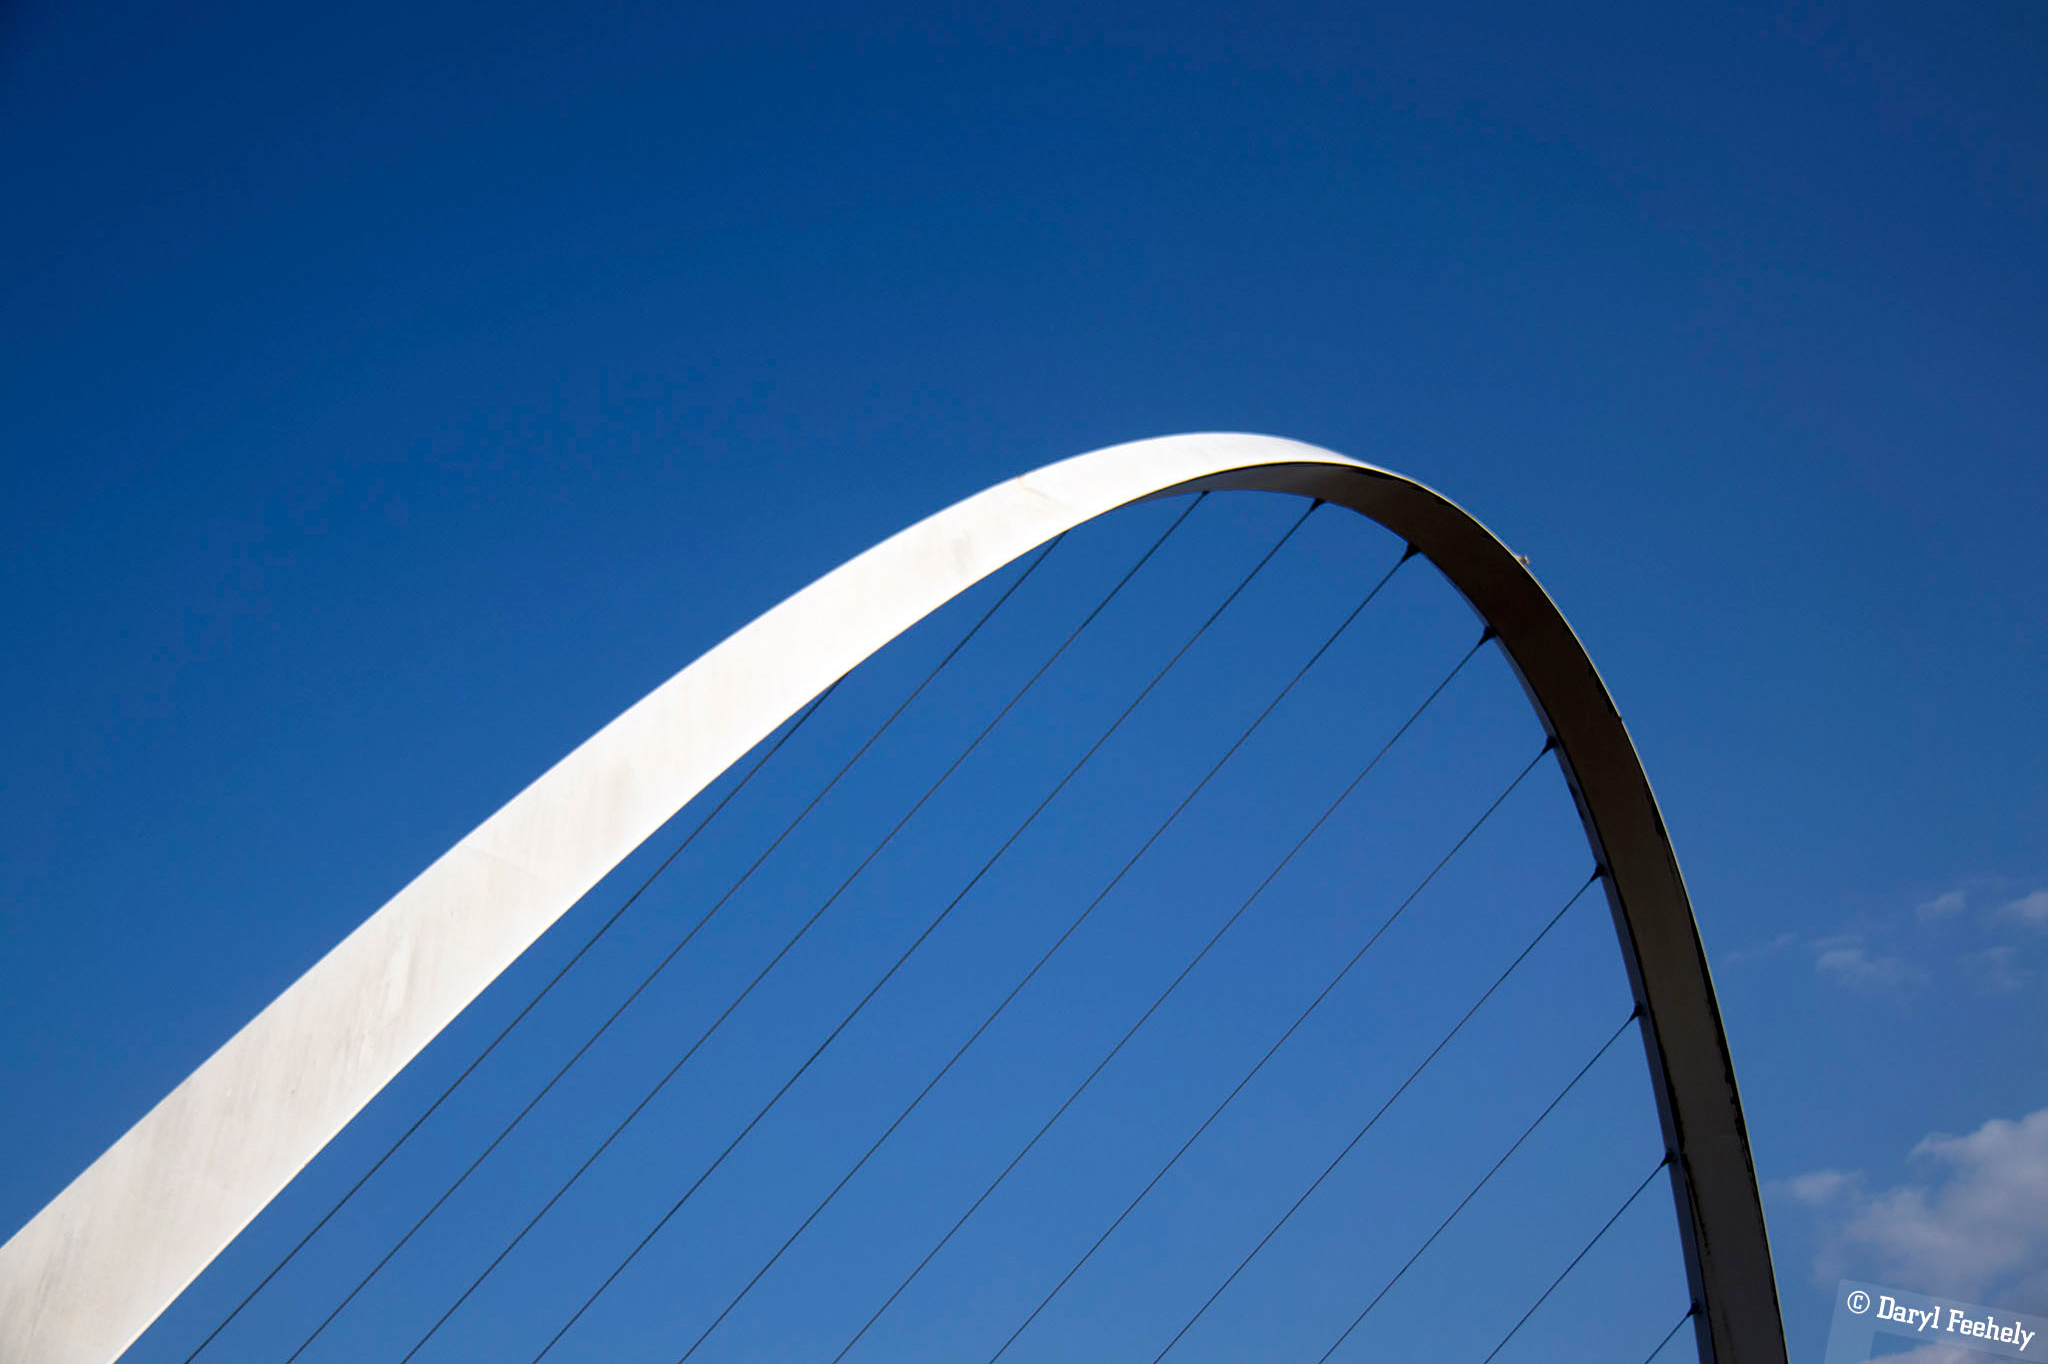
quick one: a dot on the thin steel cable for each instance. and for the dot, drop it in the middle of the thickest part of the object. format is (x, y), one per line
(1690, 1313)
(1391, 1099)
(1156, 1004)
(1484, 1180)
(929, 929)
(1047, 956)
(819, 913)
(1207, 1122)
(662, 965)
(787, 734)
(1625, 1204)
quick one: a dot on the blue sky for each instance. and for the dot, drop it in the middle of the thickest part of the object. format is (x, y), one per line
(395, 394)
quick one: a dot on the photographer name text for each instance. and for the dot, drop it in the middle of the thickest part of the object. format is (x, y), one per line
(1958, 1322)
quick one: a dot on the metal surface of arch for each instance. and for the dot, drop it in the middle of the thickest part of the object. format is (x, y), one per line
(96, 1266)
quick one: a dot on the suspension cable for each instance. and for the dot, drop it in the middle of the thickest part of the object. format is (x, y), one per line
(1160, 1000)
(1381, 1112)
(929, 929)
(1545, 1296)
(662, 965)
(1253, 1072)
(1442, 1226)
(1690, 1313)
(1047, 956)
(787, 734)
(819, 913)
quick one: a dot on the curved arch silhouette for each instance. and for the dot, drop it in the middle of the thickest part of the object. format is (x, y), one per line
(97, 1265)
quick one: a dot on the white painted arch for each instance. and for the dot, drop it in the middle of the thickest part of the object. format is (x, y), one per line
(95, 1267)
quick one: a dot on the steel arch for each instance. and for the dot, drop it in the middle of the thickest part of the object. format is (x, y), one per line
(96, 1266)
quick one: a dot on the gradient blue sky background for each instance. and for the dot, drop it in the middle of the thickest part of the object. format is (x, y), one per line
(393, 394)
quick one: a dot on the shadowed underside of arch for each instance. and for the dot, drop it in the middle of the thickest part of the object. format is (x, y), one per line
(89, 1274)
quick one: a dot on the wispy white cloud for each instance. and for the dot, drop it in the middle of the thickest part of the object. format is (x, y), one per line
(1820, 1186)
(1996, 969)
(1769, 949)
(1976, 1227)
(1846, 960)
(2029, 909)
(1953, 935)
(1939, 1354)
(1946, 905)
